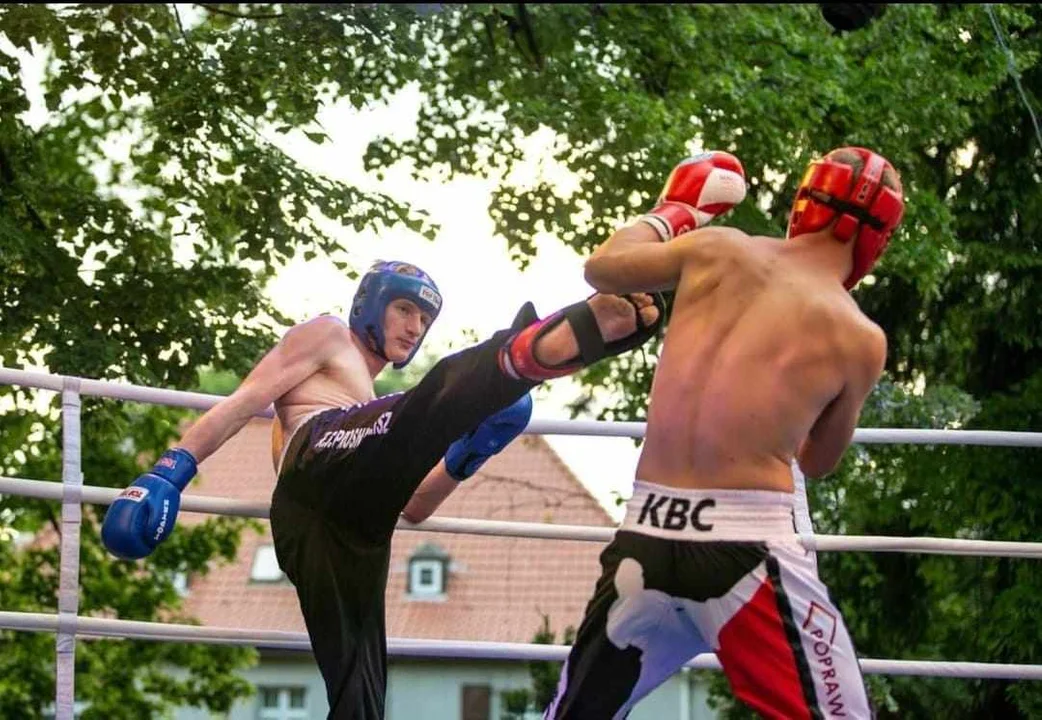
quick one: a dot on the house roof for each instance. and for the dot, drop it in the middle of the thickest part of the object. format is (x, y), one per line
(498, 588)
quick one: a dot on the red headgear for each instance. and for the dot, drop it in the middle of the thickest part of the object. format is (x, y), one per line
(868, 212)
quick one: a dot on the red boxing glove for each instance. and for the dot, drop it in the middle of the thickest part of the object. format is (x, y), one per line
(698, 189)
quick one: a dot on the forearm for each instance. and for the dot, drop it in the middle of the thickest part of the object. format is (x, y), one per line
(220, 423)
(614, 268)
(644, 256)
(430, 494)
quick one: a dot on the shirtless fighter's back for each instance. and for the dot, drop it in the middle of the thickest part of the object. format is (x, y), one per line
(766, 359)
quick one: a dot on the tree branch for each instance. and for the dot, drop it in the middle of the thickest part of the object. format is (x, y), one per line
(490, 33)
(246, 16)
(940, 167)
(526, 25)
(6, 173)
(53, 520)
(8, 177)
(192, 49)
(528, 50)
(180, 25)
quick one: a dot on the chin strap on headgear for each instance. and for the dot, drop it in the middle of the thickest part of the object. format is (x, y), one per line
(384, 283)
(868, 211)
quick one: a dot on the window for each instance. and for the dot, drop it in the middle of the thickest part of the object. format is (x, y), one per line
(181, 583)
(428, 573)
(425, 578)
(265, 565)
(282, 703)
(476, 702)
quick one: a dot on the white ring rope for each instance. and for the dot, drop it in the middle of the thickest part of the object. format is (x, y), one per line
(865, 543)
(43, 490)
(592, 428)
(403, 647)
(118, 391)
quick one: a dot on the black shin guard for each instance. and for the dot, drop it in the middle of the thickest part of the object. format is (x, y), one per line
(517, 357)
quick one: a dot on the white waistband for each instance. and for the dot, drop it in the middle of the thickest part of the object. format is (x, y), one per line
(709, 515)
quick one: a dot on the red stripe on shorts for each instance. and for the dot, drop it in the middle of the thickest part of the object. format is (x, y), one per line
(759, 660)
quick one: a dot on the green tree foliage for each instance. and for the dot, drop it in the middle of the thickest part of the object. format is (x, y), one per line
(143, 207)
(622, 92)
(152, 178)
(544, 673)
(391, 381)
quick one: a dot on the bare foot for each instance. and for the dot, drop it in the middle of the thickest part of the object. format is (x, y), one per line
(615, 320)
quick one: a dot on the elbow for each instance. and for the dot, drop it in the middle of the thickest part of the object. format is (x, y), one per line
(815, 467)
(597, 271)
(413, 516)
(591, 272)
(609, 268)
(813, 471)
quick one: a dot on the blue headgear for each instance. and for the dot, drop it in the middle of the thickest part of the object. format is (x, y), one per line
(384, 283)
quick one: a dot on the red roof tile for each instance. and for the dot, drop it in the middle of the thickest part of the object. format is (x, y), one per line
(498, 587)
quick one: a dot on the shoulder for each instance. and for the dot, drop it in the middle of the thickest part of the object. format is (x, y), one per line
(869, 332)
(325, 329)
(870, 345)
(714, 240)
(713, 235)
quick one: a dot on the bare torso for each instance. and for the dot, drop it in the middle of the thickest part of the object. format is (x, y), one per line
(756, 348)
(343, 381)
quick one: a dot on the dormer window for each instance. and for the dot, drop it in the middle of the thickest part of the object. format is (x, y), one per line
(265, 565)
(428, 573)
(426, 577)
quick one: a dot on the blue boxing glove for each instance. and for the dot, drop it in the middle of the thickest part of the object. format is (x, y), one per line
(143, 515)
(466, 455)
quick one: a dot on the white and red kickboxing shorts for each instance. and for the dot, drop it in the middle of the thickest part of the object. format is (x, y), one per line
(711, 571)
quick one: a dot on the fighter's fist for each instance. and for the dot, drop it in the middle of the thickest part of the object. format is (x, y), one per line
(698, 189)
(143, 515)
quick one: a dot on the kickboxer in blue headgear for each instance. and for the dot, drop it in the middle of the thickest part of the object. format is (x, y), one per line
(349, 463)
(387, 285)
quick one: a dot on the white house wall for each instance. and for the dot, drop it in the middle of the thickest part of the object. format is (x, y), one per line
(432, 690)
